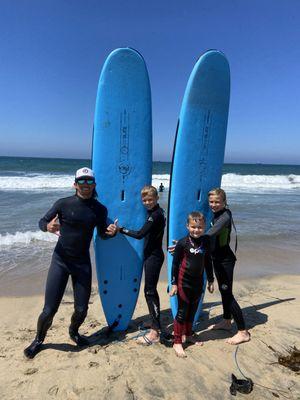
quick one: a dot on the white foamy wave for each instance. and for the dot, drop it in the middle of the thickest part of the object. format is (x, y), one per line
(234, 182)
(258, 182)
(25, 238)
(36, 182)
(158, 179)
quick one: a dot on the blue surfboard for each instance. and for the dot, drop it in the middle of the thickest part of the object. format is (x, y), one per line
(199, 148)
(122, 161)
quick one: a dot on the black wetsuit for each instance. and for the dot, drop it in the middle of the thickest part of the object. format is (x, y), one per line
(224, 262)
(152, 231)
(78, 218)
(191, 258)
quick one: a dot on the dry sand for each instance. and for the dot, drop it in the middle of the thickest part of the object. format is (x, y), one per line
(116, 367)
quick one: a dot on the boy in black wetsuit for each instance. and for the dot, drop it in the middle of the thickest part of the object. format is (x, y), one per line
(224, 262)
(191, 258)
(152, 231)
(73, 219)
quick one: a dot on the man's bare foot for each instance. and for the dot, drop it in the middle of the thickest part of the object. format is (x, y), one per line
(194, 340)
(240, 337)
(150, 338)
(179, 350)
(224, 325)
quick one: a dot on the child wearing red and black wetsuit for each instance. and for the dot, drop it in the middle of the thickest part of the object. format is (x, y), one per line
(191, 258)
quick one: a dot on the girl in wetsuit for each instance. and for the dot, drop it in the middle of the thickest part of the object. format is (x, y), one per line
(224, 262)
(73, 219)
(191, 257)
(153, 232)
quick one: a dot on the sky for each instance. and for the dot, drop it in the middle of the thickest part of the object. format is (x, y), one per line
(52, 52)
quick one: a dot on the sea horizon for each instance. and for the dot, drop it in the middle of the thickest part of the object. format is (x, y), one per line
(158, 161)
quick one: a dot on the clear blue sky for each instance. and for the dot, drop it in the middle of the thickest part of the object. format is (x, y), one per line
(52, 52)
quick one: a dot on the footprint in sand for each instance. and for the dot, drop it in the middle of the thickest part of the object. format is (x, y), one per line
(93, 364)
(53, 390)
(158, 361)
(95, 349)
(94, 324)
(30, 371)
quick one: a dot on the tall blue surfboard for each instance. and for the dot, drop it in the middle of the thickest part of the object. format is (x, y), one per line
(199, 147)
(122, 161)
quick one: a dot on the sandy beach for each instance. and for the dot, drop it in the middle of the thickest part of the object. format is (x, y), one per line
(116, 367)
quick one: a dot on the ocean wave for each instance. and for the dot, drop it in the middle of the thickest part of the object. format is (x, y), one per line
(25, 238)
(257, 182)
(230, 181)
(36, 182)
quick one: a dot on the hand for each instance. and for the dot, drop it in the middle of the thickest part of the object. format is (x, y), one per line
(173, 290)
(112, 229)
(210, 287)
(171, 249)
(54, 226)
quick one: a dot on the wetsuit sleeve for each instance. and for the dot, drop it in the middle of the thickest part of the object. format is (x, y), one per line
(102, 223)
(54, 210)
(142, 232)
(223, 220)
(208, 262)
(177, 258)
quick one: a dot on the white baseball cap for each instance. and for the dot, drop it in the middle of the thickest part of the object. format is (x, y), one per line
(84, 172)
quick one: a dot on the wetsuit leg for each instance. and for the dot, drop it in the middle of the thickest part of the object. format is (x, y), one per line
(224, 274)
(191, 315)
(181, 318)
(152, 267)
(81, 280)
(55, 286)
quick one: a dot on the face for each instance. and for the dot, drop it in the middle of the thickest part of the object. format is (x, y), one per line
(149, 201)
(196, 228)
(216, 203)
(85, 188)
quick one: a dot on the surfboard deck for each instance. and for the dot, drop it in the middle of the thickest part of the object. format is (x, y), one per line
(199, 148)
(122, 162)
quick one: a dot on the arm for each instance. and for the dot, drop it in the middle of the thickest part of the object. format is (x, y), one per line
(177, 258)
(208, 268)
(223, 220)
(141, 233)
(208, 261)
(49, 216)
(104, 230)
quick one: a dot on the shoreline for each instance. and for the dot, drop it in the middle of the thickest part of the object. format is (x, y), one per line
(251, 267)
(117, 368)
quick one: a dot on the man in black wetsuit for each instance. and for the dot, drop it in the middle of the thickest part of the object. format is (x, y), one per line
(152, 231)
(73, 219)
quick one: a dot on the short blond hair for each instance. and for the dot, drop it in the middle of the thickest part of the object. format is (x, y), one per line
(195, 216)
(149, 190)
(218, 192)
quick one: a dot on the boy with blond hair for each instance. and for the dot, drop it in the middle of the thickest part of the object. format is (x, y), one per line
(152, 231)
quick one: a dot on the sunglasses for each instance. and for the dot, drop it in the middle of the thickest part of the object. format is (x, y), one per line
(83, 181)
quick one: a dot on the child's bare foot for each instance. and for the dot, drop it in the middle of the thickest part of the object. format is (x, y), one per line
(179, 350)
(225, 325)
(150, 338)
(240, 337)
(194, 340)
(183, 338)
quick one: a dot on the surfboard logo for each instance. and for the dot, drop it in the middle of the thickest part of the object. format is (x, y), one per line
(205, 141)
(124, 165)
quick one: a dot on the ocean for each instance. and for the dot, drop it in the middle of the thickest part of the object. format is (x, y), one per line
(264, 199)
